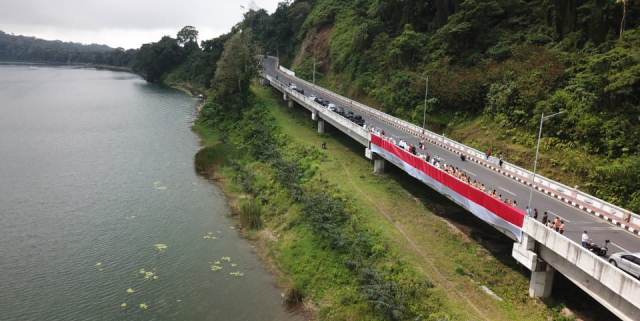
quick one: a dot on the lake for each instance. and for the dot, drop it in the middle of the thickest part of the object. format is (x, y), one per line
(96, 177)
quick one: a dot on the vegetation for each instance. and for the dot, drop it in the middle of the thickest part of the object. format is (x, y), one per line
(29, 49)
(498, 63)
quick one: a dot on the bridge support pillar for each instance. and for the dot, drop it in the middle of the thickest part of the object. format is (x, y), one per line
(541, 280)
(320, 126)
(290, 103)
(284, 96)
(314, 115)
(378, 164)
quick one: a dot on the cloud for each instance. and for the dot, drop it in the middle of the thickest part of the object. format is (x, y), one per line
(121, 23)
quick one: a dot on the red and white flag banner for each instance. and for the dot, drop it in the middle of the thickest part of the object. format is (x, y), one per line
(502, 216)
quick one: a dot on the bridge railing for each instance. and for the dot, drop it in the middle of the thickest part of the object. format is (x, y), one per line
(574, 197)
(321, 109)
(598, 268)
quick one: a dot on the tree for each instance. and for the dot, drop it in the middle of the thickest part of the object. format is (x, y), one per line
(156, 59)
(625, 3)
(237, 66)
(187, 35)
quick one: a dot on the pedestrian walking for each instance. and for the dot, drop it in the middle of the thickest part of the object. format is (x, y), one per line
(535, 213)
(561, 227)
(528, 210)
(500, 162)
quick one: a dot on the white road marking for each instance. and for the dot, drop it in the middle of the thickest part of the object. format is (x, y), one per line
(620, 247)
(508, 191)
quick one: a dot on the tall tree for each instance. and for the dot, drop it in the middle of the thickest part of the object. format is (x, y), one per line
(625, 4)
(236, 68)
(187, 35)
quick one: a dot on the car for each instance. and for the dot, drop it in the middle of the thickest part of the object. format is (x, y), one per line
(313, 98)
(358, 120)
(322, 102)
(340, 111)
(628, 262)
(332, 107)
(300, 90)
(293, 86)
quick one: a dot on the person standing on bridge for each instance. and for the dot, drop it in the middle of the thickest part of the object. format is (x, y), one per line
(545, 218)
(585, 239)
(561, 227)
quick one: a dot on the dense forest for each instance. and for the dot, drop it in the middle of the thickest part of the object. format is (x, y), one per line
(29, 49)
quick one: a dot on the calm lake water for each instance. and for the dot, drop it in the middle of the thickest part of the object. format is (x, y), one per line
(96, 167)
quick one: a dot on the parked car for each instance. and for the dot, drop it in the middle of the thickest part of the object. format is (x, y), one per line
(628, 262)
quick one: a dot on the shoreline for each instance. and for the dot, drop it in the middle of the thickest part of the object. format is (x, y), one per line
(191, 91)
(260, 239)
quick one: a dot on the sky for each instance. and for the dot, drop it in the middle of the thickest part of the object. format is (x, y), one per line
(122, 23)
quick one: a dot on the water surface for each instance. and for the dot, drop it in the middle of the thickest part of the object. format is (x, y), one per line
(95, 168)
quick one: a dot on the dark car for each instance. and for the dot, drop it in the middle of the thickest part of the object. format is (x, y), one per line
(340, 111)
(358, 120)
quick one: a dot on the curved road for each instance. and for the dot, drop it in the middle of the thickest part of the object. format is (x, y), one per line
(576, 220)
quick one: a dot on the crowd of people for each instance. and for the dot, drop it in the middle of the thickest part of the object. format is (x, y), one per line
(437, 162)
(556, 223)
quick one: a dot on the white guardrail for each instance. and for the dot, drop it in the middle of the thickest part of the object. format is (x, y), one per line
(597, 267)
(322, 110)
(586, 202)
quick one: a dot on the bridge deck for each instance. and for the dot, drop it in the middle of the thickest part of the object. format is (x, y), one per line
(575, 219)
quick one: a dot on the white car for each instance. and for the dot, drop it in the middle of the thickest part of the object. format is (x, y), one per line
(313, 97)
(293, 86)
(332, 107)
(629, 262)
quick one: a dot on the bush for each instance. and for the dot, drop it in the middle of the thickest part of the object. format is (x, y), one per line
(250, 214)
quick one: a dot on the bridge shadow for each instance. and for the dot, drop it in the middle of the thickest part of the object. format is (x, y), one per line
(565, 293)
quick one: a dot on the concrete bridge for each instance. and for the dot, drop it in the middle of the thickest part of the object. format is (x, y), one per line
(537, 247)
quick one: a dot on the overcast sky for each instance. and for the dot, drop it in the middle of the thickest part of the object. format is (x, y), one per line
(122, 23)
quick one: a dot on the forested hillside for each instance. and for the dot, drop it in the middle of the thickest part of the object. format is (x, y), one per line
(493, 68)
(29, 49)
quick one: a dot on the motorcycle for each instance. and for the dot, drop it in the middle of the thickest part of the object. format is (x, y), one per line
(597, 249)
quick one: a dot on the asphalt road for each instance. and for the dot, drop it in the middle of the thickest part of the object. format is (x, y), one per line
(576, 220)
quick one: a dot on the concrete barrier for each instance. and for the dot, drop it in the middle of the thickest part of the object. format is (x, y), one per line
(618, 282)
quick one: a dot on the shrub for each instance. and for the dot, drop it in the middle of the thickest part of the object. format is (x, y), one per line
(250, 214)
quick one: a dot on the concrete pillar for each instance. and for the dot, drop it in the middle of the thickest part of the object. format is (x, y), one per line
(284, 96)
(314, 115)
(290, 103)
(320, 126)
(378, 164)
(541, 281)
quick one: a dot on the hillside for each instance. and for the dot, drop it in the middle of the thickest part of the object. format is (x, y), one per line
(16, 48)
(493, 68)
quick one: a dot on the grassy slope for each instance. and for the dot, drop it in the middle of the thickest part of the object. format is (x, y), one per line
(455, 263)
